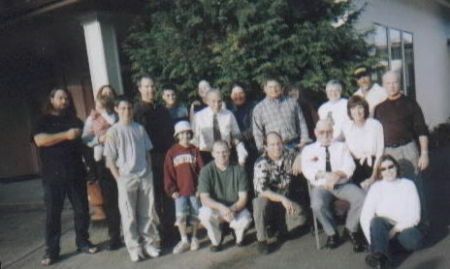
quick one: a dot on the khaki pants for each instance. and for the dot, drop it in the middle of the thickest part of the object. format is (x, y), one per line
(408, 157)
(137, 209)
(211, 220)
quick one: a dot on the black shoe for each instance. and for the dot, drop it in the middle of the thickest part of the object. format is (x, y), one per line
(263, 247)
(114, 244)
(377, 260)
(88, 248)
(357, 241)
(215, 248)
(332, 241)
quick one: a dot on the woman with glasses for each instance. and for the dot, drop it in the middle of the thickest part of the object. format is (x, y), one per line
(391, 211)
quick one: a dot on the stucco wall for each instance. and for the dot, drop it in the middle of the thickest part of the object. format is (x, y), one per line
(429, 22)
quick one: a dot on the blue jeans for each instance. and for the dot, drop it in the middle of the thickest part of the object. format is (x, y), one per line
(410, 239)
(186, 207)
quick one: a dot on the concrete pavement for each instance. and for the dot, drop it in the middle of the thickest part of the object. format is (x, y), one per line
(21, 237)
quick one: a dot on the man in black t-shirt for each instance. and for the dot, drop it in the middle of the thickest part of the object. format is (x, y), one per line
(57, 135)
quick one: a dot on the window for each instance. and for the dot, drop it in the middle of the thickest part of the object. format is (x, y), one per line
(395, 49)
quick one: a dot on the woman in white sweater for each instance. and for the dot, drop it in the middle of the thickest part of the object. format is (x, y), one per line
(391, 211)
(365, 140)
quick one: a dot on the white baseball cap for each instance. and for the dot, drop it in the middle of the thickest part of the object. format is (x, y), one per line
(182, 126)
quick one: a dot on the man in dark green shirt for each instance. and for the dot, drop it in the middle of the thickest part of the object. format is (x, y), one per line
(223, 192)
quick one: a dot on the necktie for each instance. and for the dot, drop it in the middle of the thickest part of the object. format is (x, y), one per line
(216, 130)
(327, 160)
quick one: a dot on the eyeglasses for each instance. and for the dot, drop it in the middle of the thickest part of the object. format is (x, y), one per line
(325, 132)
(389, 167)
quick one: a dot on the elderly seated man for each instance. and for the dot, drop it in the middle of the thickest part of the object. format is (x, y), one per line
(328, 166)
(272, 181)
(223, 192)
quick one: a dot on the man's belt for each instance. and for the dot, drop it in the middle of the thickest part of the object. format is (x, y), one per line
(289, 141)
(396, 145)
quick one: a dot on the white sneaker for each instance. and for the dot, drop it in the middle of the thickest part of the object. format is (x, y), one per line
(194, 243)
(182, 246)
(152, 251)
(136, 256)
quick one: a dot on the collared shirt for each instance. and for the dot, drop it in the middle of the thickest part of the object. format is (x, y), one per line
(337, 113)
(203, 128)
(402, 120)
(282, 115)
(374, 96)
(397, 201)
(274, 175)
(367, 140)
(313, 160)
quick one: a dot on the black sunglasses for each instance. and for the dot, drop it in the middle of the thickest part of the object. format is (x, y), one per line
(387, 167)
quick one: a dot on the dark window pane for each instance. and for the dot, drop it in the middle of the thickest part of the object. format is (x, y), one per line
(409, 63)
(381, 51)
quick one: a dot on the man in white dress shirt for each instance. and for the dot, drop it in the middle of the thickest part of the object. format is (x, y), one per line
(328, 166)
(215, 123)
(372, 92)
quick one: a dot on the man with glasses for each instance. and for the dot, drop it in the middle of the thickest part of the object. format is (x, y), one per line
(328, 166)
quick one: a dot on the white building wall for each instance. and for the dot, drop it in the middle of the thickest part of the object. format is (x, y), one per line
(430, 24)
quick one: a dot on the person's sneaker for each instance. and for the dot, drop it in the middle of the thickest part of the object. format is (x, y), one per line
(152, 251)
(182, 246)
(114, 244)
(263, 247)
(194, 243)
(215, 248)
(136, 256)
(332, 241)
(377, 260)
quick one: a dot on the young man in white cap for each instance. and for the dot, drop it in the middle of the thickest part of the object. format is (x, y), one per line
(181, 169)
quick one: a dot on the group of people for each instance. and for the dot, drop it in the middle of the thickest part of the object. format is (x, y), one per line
(226, 165)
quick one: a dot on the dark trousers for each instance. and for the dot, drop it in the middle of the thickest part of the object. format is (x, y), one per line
(265, 211)
(54, 196)
(164, 204)
(110, 195)
(362, 172)
(410, 239)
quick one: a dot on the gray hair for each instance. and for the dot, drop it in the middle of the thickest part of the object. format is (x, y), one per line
(204, 82)
(214, 90)
(334, 83)
(391, 73)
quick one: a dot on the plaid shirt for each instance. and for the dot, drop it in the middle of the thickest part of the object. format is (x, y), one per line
(274, 175)
(282, 115)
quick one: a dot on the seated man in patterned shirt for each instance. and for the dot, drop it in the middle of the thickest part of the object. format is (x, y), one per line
(272, 180)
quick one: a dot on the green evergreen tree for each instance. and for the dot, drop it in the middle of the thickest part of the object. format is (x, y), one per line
(180, 42)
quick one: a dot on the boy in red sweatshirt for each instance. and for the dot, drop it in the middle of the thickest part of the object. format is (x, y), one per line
(181, 168)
